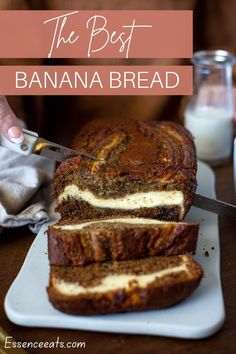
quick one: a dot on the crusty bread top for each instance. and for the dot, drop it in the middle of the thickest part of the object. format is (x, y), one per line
(150, 154)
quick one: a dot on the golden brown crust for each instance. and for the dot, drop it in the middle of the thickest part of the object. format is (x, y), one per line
(137, 156)
(160, 293)
(114, 241)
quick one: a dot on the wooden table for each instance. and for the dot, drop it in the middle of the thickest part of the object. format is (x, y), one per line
(14, 245)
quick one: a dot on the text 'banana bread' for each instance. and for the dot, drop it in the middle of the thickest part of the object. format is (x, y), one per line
(100, 288)
(118, 239)
(144, 169)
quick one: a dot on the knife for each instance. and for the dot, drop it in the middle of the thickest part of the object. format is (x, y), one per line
(33, 144)
(215, 206)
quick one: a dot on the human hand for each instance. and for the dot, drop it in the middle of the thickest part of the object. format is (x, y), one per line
(9, 124)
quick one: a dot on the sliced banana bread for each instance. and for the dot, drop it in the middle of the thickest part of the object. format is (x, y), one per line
(118, 239)
(134, 285)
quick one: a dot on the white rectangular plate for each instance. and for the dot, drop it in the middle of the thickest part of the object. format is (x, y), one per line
(199, 316)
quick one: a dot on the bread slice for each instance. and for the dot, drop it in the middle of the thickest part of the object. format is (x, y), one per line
(118, 239)
(144, 169)
(134, 285)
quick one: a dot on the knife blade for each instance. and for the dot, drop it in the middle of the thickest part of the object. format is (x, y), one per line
(214, 206)
(33, 144)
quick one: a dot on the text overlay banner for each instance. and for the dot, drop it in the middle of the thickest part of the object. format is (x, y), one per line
(96, 34)
(96, 80)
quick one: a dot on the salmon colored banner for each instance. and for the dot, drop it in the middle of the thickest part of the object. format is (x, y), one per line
(95, 34)
(95, 80)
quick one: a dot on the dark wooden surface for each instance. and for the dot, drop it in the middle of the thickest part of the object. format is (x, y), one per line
(14, 245)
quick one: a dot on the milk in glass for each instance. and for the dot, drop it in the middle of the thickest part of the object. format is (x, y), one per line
(209, 114)
(212, 129)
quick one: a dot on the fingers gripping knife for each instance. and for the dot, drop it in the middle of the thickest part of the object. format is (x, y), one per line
(33, 144)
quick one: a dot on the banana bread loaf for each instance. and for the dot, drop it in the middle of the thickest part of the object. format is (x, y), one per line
(144, 169)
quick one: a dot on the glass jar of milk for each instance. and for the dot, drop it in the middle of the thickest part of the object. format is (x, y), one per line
(209, 114)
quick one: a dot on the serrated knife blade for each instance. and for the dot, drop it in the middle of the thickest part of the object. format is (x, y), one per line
(33, 144)
(57, 152)
(215, 206)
